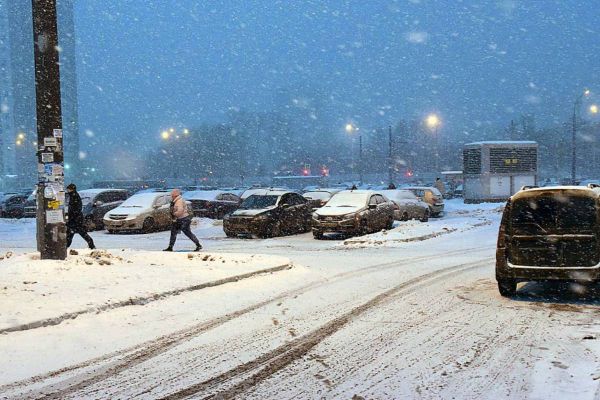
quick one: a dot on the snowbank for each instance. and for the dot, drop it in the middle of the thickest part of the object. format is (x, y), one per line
(36, 293)
(458, 217)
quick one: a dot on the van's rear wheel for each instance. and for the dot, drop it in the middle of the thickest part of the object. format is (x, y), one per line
(507, 287)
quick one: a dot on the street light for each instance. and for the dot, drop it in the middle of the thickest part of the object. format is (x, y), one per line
(576, 109)
(594, 109)
(433, 122)
(165, 135)
(350, 129)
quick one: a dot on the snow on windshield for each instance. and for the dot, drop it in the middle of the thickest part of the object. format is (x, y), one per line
(143, 200)
(399, 194)
(348, 199)
(317, 195)
(202, 194)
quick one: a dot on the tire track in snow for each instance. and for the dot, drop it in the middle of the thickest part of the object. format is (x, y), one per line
(138, 354)
(279, 358)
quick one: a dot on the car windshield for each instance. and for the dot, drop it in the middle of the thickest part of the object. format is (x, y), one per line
(399, 195)
(317, 195)
(348, 199)
(255, 202)
(553, 214)
(201, 195)
(144, 200)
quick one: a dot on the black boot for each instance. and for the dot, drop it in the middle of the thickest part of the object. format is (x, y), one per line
(198, 247)
(168, 249)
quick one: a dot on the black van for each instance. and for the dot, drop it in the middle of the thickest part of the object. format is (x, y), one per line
(549, 233)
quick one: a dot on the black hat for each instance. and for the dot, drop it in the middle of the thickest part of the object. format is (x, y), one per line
(72, 186)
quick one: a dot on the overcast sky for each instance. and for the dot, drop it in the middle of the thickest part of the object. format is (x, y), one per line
(145, 65)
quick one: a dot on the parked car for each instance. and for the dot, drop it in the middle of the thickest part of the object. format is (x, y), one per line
(549, 233)
(318, 198)
(13, 205)
(212, 204)
(407, 205)
(30, 206)
(354, 212)
(431, 196)
(146, 212)
(97, 202)
(274, 213)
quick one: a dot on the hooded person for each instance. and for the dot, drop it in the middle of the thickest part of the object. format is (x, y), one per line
(75, 220)
(181, 221)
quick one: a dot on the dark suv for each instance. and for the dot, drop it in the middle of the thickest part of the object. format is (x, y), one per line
(549, 233)
(275, 213)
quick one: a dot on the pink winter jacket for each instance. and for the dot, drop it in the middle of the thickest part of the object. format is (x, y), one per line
(179, 208)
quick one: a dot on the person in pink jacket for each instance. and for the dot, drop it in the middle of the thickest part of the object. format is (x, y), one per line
(181, 221)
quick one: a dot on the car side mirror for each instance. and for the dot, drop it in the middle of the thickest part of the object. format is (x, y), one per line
(98, 203)
(372, 206)
(285, 205)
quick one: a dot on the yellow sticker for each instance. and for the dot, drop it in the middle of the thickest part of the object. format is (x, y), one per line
(54, 204)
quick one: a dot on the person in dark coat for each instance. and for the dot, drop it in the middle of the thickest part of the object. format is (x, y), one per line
(181, 221)
(75, 221)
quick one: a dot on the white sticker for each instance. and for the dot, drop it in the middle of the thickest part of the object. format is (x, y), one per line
(57, 169)
(41, 168)
(61, 197)
(47, 157)
(50, 142)
(54, 216)
(57, 133)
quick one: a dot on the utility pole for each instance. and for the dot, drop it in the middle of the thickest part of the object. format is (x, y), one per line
(51, 229)
(574, 141)
(576, 109)
(360, 159)
(390, 159)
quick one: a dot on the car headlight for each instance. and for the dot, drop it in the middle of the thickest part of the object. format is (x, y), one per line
(315, 216)
(262, 217)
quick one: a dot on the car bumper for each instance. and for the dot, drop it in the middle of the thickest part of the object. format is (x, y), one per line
(122, 225)
(524, 273)
(348, 226)
(249, 227)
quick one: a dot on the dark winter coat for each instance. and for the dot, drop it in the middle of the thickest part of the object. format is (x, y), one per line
(75, 213)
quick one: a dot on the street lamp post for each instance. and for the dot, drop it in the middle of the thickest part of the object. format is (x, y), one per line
(350, 129)
(390, 159)
(433, 122)
(576, 108)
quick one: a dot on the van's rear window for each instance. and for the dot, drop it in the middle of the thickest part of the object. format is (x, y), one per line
(554, 214)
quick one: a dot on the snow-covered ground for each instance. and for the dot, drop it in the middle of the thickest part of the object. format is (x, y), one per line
(409, 313)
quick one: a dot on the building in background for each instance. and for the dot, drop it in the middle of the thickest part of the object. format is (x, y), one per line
(495, 170)
(18, 130)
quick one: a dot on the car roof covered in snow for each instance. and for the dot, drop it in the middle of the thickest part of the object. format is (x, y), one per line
(582, 191)
(94, 192)
(434, 190)
(203, 194)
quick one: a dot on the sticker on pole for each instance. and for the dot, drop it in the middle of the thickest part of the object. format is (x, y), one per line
(54, 217)
(57, 133)
(47, 157)
(50, 142)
